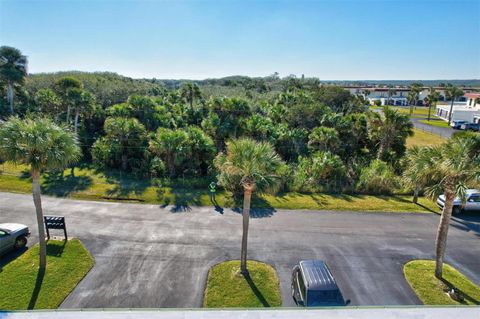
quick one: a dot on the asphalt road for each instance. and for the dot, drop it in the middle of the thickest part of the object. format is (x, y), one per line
(149, 256)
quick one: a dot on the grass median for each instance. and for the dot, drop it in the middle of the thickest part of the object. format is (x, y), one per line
(89, 184)
(227, 288)
(432, 291)
(24, 287)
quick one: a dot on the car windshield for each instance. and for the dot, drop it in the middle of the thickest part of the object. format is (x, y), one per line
(324, 298)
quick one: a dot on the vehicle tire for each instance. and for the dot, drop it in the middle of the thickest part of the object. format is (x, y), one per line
(456, 210)
(20, 242)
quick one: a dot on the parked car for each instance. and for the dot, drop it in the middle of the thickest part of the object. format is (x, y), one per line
(13, 236)
(472, 202)
(457, 124)
(470, 127)
(313, 285)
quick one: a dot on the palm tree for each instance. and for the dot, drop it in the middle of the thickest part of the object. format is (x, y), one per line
(190, 92)
(391, 92)
(171, 145)
(82, 102)
(447, 169)
(253, 166)
(388, 128)
(416, 88)
(13, 69)
(42, 145)
(366, 93)
(64, 86)
(414, 167)
(452, 93)
(433, 98)
(412, 96)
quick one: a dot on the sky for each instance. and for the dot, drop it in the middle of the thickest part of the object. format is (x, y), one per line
(328, 39)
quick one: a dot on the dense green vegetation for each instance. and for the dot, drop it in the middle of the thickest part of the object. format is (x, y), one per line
(153, 130)
(177, 133)
(228, 288)
(25, 286)
(433, 291)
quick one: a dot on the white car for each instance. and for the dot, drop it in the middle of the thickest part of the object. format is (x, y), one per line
(13, 236)
(471, 204)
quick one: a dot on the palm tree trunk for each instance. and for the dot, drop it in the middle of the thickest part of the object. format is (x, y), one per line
(415, 194)
(429, 111)
(40, 222)
(247, 195)
(10, 95)
(75, 123)
(171, 164)
(124, 162)
(450, 113)
(442, 232)
(68, 114)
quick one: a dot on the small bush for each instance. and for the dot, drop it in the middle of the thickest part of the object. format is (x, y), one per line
(377, 178)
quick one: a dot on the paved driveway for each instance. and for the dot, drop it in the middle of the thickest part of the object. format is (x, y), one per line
(148, 256)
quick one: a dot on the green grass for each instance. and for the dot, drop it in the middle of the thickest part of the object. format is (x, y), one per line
(434, 122)
(431, 291)
(418, 112)
(89, 184)
(421, 138)
(227, 288)
(22, 287)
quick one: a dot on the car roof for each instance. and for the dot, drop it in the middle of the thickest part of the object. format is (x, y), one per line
(472, 191)
(11, 226)
(317, 276)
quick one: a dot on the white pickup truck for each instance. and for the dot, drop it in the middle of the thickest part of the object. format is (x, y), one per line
(471, 204)
(13, 236)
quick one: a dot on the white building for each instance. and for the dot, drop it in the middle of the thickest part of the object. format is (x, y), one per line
(462, 111)
(400, 94)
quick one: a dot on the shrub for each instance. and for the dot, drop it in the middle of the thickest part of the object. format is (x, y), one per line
(377, 178)
(323, 171)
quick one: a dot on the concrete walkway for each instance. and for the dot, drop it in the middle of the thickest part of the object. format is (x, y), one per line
(344, 313)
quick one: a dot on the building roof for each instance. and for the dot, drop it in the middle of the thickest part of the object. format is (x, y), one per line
(456, 107)
(472, 95)
(317, 275)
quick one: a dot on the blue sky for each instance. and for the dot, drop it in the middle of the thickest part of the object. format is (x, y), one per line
(200, 39)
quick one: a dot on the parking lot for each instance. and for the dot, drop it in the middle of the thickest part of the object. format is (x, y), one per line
(148, 256)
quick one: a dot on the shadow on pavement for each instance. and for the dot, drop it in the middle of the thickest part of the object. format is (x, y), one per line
(469, 222)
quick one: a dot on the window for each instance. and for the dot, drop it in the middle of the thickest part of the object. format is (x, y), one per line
(301, 285)
(3, 233)
(474, 198)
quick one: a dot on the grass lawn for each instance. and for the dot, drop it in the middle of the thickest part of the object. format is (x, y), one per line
(418, 112)
(434, 122)
(23, 287)
(90, 184)
(421, 138)
(227, 288)
(430, 290)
